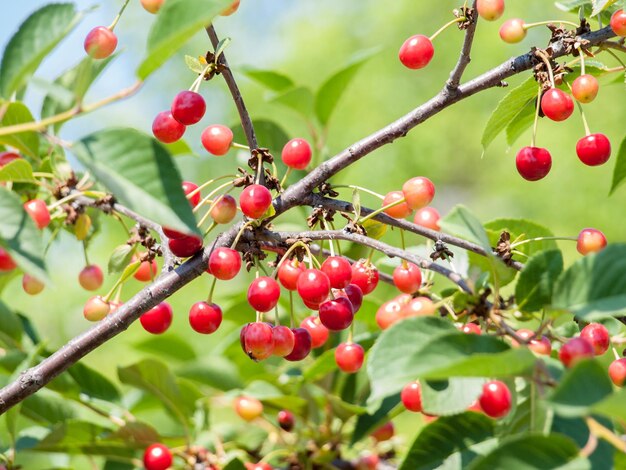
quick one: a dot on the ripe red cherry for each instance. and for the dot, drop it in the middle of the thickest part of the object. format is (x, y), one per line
(227, 12)
(6, 262)
(368, 462)
(158, 319)
(157, 457)
(365, 276)
(318, 333)
(296, 154)
(471, 328)
(263, 294)
(169, 233)
(224, 263)
(338, 270)
(617, 371)
(490, 10)
(100, 42)
(336, 315)
(166, 129)
(533, 163)
(418, 192)
(598, 336)
(418, 306)
(39, 212)
(258, 340)
(384, 433)
(224, 209)
(152, 6)
(575, 350)
(186, 246)
(8, 157)
(349, 357)
(594, 149)
(216, 139)
(585, 88)
(416, 52)
(427, 217)
(188, 188)
(495, 400)
(96, 309)
(540, 345)
(289, 272)
(205, 318)
(513, 31)
(260, 465)
(618, 23)
(411, 397)
(301, 346)
(188, 107)
(557, 105)
(391, 311)
(355, 296)
(255, 200)
(286, 420)
(407, 279)
(32, 285)
(313, 286)
(248, 408)
(284, 340)
(147, 271)
(91, 277)
(400, 211)
(590, 240)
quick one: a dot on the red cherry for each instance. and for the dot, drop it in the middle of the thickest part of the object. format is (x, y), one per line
(418, 192)
(152, 6)
(384, 433)
(513, 31)
(39, 212)
(355, 296)
(313, 285)
(557, 105)
(391, 311)
(96, 309)
(594, 149)
(289, 272)
(158, 319)
(585, 88)
(400, 211)
(147, 271)
(364, 276)
(471, 328)
(255, 200)
(286, 420)
(8, 157)
(575, 350)
(368, 462)
(495, 400)
(311, 305)
(302, 345)
(224, 209)
(188, 188)
(317, 332)
(260, 465)
(32, 285)
(205, 318)
(407, 279)
(416, 52)
(418, 306)
(338, 270)
(427, 217)
(91, 277)
(227, 12)
(284, 340)
(349, 357)
(166, 129)
(186, 246)
(169, 233)
(100, 42)
(617, 371)
(157, 457)
(224, 263)
(533, 163)
(217, 139)
(248, 408)
(411, 397)
(258, 340)
(598, 336)
(490, 10)
(263, 294)
(6, 262)
(336, 315)
(188, 107)
(297, 154)
(540, 345)
(590, 240)
(618, 23)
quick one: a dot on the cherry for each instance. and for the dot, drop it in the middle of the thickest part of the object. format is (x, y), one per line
(152, 6)
(289, 272)
(541, 345)
(594, 149)
(169, 233)
(313, 286)
(338, 270)
(296, 154)
(147, 271)
(418, 306)
(617, 371)
(284, 340)
(471, 328)
(368, 462)
(255, 200)
(384, 433)
(495, 400)
(166, 129)
(217, 139)
(8, 157)
(311, 305)
(100, 42)
(355, 296)
(365, 276)
(407, 279)
(227, 12)
(224, 263)
(38, 211)
(391, 311)
(205, 318)
(618, 23)
(349, 357)
(598, 336)
(158, 319)
(557, 105)
(188, 188)
(186, 246)
(416, 52)
(260, 465)
(318, 333)
(575, 350)
(513, 31)
(258, 340)
(336, 314)
(418, 192)
(188, 107)
(533, 163)
(91, 277)
(263, 294)
(6, 262)
(224, 209)
(427, 217)
(157, 457)
(248, 408)
(490, 10)
(585, 88)
(399, 211)
(96, 309)
(411, 397)
(590, 240)
(31, 285)
(301, 346)
(286, 420)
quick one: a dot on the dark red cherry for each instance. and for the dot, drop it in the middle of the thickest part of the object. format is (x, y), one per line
(189, 187)
(411, 397)
(557, 105)
(338, 270)
(255, 200)
(365, 276)
(594, 149)
(263, 294)
(336, 315)
(186, 246)
(302, 345)
(349, 357)
(355, 295)
(284, 340)
(407, 279)
(289, 272)
(286, 420)
(158, 319)
(157, 457)
(533, 163)
(188, 107)
(258, 340)
(317, 332)
(416, 52)
(598, 336)
(313, 286)
(166, 129)
(296, 154)
(495, 400)
(6, 262)
(224, 263)
(205, 318)
(170, 233)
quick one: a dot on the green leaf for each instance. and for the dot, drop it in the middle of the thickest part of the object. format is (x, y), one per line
(374, 228)
(332, 89)
(176, 23)
(299, 99)
(593, 287)
(601, 5)
(366, 423)
(34, 40)
(178, 148)
(18, 170)
(536, 281)
(448, 397)
(520, 123)
(270, 79)
(268, 133)
(235, 464)
(168, 347)
(194, 64)
(612, 406)
(120, 258)
(619, 172)
(218, 372)
(10, 326)
(25, 142)
(521, 229)
(93, 383)
(140, 173)
(47, 407)
(324, 364)
(460, 221)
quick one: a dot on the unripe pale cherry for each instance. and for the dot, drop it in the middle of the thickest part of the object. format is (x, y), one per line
(224, 209)
(590, 240)
(399, 211)
(533, 163)
(557, 105)
(284, 340)
(255, 200)
(407, 279)
(391, 311)
(540, 345)
(286, 420)
(263, 294)
(418, 192)
(205, 318)
(186, 246)
(158, 319)
(419, 306)
(575, 350)
(157, 457)
(301, 345)
(490, 10)
(411, 397)
(427, 217)
(188, 107)
(585, 88)
(248, 408)
(147, 271)
(32, 285)
(594, 149)
(188, 188)
(166, 129)
(318, 333)
(339, 271)
(336, 314)
(96, 309)
(313, 286)
(289, 272)
(349, 357)
(384, 433)
(38, 211)
(6, 262)
(231, 9)
(152, 6)
(598, 336)
(216, 139)
(100, 42)
(495, 400)
(617, 371)
(416, 52)
(365, 276)
(513, 31)
(91, 277)
(618, 23)
(296, 154)
(224, 263)
(257, 340)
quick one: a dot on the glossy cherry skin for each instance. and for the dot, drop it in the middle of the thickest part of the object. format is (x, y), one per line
(263, 294)
(96, 309)
(598, 336)
(91, 277)
(541, 345)
(317, 332)
(205, 318)
(258, 340)
(216, 139)
(557, 105)
(495, 400)
(336, 315)
(152, 6)
(365, 276)
(296, 154)
(188, 188)
(32, 285)
(513, 31)
(248, 408)
(8, 157)
(349, 357)
(289, 272)
(186, 246)
(224, 209)
(301, 346)
(339, 271)
(427, 217)
(313, 285)
(594, 149)
(6, 262)
(188, 107)
(411, 397)
(286, 420)
(158, 319)
(170, 233)
(355, 296)
(391, 311)
(575, 350)
(618, 23)
(157, 457)
(590, 240)
(255, 200)
(384, 433)
(407, 279)
(418, 192)
(224, 263)
(399, 211)
(260, 465)
(147, 271)
(227, 12)
(416, 52)
(284, 340)
(617, 371)
(471, 328)
(418, 306)
(100, 42)
(490, 10)
(585, 88)
(166, 129)
(38, 211)
(533, 163)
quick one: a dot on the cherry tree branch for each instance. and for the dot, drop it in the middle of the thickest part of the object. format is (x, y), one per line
(452, 84)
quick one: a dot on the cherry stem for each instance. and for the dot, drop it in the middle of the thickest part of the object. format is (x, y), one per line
(284, 180)
(210, 229)
(239, 146)
(615, 353)
(119, 15)
(543, 23)
(405, 264)
(446, 26)
(332, 226)
(209, 196)
(129, 271)
(359, 188)
(195, 86)
(85, 253)
(213, 283)
(275, 453)
(285, 256)
(545, 60)
(582, 114)
(259, 169)
(371, 255)
(581, 55)
(62, 201)
(539, 239)
(382, 209)
(276, 318)
(350, 333)
(241, 230)
(331, 247)
(534, 136)
(208, 183)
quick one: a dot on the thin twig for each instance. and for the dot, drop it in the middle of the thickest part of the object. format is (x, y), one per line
(452, 84)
